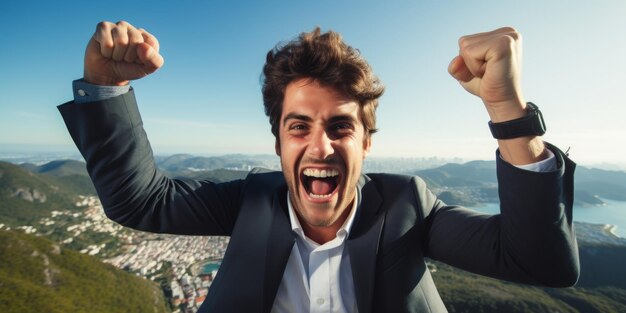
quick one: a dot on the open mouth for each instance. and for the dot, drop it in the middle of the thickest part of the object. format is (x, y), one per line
(320, 183)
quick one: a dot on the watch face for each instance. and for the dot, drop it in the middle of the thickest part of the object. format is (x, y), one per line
(541, 127)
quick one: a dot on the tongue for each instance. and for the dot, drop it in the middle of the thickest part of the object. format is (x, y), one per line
(321, 187)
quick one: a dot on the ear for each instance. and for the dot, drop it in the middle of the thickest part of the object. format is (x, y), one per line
(367, 145)
(277, 147)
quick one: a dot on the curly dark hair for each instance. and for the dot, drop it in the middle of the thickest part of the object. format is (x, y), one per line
(323, 57)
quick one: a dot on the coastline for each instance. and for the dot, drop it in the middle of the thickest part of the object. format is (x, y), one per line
(611, 213)
(198, 267)
(611, 230)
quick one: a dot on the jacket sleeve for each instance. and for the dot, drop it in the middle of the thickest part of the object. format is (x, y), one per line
(531, 241)
(133, 192)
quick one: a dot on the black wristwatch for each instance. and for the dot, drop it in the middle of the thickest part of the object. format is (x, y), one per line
(530, 125)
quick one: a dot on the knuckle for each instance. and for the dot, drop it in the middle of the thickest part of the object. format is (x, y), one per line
(122, 23)
(107, 44)
(517, 36)
(509, 29)
(463, 42)
(103, 25)
(514, 35)
(512, 32)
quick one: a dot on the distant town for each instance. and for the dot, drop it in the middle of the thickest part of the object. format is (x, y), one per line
(178, 263)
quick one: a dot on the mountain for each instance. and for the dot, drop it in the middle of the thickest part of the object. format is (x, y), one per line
(71, 173)
(179, 162)
(591, 184)
(26, 197)
(61, 168)
(37, 275)
(474, 173)
(216, 176)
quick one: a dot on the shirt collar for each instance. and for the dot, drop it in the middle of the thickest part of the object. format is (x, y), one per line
(343, 231)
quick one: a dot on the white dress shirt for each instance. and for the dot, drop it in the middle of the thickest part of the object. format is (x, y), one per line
(317, 278)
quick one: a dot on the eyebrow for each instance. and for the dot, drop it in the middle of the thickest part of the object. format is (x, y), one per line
(295, 116)
(305, 118)
(342, 118)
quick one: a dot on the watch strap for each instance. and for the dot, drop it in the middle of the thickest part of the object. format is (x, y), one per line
(531, 124)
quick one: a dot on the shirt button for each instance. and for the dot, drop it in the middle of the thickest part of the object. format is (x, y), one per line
(320, 301)
(81, 92)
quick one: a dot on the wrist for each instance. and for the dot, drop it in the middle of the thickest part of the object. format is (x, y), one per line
(523, 150)
(506, 111)
(103, 80)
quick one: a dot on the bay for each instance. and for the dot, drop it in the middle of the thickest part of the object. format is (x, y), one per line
(613, 212)
(211, 266)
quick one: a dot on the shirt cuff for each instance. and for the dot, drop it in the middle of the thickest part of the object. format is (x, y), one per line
(85, 92)
(546, 165)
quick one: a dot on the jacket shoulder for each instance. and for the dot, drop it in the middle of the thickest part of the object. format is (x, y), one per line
(386, 182)
(265, 179)
(398, 188)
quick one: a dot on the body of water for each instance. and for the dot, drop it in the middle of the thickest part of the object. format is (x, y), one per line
(614, 213)
(209, 267)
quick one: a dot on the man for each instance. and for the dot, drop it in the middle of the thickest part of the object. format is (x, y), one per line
(320, 236)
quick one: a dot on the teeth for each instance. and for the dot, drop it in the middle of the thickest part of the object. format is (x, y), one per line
(319, 196)
(321, 173)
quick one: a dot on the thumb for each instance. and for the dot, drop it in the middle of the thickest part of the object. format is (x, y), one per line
(149, 57)
(458, 69)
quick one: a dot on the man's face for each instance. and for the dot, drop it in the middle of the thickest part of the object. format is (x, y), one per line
(322, 146)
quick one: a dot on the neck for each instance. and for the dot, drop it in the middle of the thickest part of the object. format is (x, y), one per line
(324, 234)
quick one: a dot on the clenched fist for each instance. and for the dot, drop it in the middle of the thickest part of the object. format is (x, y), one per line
(489, 66)
(119, 52)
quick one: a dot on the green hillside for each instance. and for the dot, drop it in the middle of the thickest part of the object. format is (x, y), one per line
(26, 197)
(466, 292)
(70, 173)
(63, 168)
(37, 275)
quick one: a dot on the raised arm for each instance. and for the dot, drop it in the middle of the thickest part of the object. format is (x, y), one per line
(489, 65)
(109, 133)
(532, 240)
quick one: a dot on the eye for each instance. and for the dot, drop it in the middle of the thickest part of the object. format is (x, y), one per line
(340, 127)
(297, 127)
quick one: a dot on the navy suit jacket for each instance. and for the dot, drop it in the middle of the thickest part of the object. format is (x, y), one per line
(399, 222)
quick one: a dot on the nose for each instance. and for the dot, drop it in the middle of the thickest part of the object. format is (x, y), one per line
(321, 146)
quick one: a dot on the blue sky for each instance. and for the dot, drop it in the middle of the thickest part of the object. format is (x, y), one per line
(207, 99)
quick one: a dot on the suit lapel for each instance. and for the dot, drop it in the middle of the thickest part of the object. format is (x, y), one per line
(363, 243)
(280, 242)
